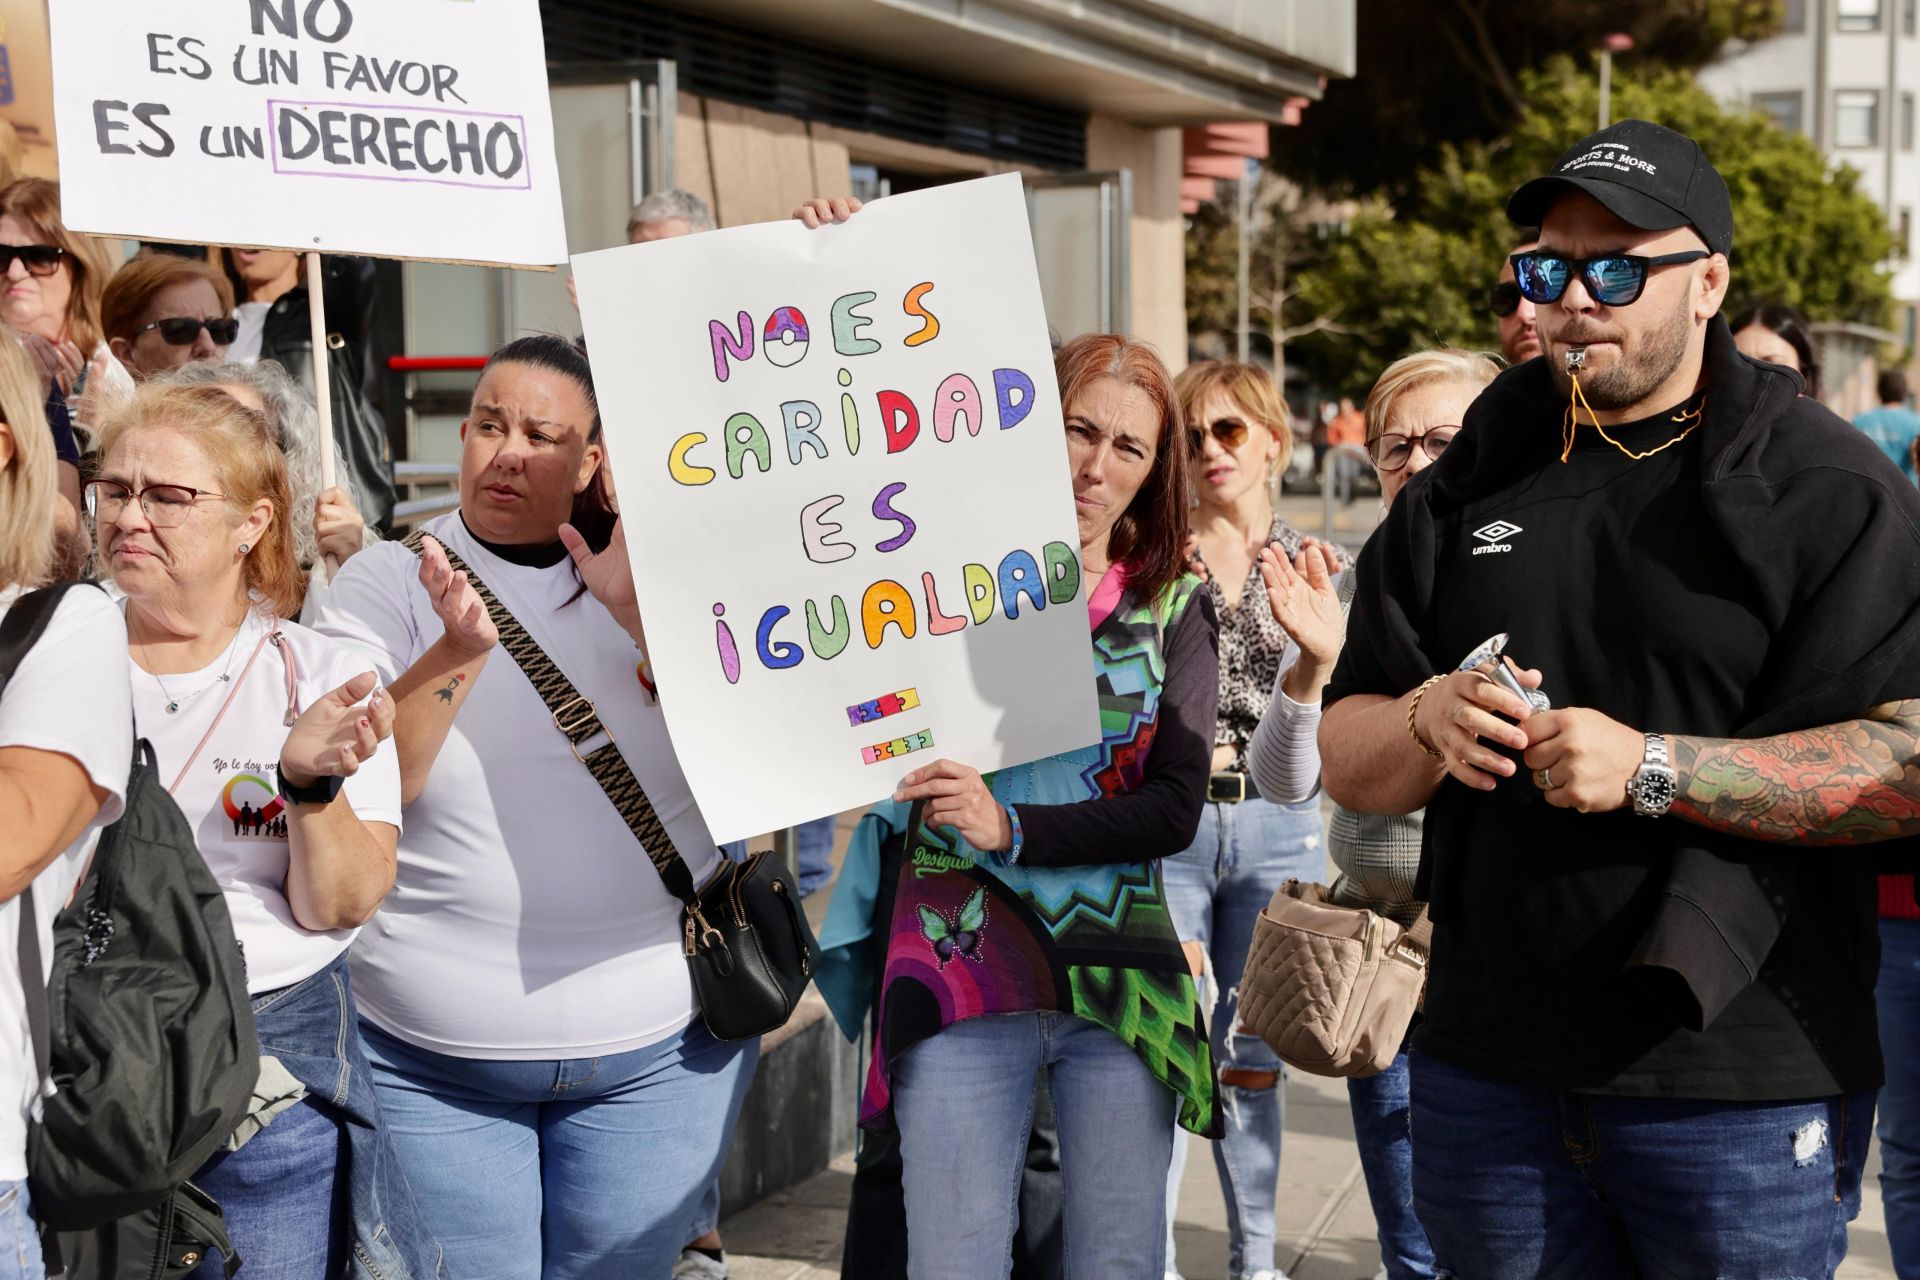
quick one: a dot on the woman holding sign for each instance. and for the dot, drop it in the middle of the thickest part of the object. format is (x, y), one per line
(559, 1104)
(1037, 896)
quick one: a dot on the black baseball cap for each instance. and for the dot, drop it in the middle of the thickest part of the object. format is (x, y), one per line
(1645, 174)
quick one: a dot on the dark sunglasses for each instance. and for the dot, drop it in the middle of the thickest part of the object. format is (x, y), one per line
(1230, 432)
(38, 259)
(1612, 280)
(1391, 451)
(1504, 298)
(180, 331)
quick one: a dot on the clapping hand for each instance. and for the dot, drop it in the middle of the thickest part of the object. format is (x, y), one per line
(336, 735)
(609, 577)
(469, 628)
(1304, 600)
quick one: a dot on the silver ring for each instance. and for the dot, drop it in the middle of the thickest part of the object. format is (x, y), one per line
(1545, 778)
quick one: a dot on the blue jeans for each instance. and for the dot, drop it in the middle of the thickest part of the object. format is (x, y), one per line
(813, 850)
(591, 1168)
(324, 1172)
(1380, 1128)
(284, 1196)
(1215, 891)
(1899, 998)
(1521, 1183)
(964, 1102)
(19, 1237)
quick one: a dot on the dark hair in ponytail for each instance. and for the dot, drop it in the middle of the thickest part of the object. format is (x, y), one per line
(593, 510)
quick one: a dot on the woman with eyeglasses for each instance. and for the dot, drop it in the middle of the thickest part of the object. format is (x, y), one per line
(161, 311)
(1413, 413)
(268, 736)
(1251, 839)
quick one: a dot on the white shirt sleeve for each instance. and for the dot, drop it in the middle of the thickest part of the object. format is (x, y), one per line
(369, 607)
(1284, 756)
(71, 695)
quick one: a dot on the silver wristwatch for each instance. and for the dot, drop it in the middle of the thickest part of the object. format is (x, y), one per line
(1654, 783)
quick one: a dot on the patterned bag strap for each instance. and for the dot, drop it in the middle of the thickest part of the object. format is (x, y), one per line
(576, 718)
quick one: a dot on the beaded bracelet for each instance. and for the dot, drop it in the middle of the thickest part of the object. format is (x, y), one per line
(1413, 709)
(1012, 855)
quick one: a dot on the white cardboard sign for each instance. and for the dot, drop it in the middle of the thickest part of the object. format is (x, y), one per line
(398, 128)
(844, 485)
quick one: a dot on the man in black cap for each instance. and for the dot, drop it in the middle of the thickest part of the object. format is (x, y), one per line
(1649, 1045)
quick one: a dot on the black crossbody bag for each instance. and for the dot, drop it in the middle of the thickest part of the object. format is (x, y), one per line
(749, 948)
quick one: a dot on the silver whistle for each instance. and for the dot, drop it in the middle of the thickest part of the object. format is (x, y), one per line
(1576, 358)
(1491, 653)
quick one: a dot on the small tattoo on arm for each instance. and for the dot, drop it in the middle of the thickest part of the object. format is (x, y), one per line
(445, 694)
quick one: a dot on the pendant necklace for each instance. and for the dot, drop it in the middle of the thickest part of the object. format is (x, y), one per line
(173, 703)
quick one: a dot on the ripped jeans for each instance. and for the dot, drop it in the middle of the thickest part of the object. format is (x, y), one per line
(1515, 1182)
(1215, 889)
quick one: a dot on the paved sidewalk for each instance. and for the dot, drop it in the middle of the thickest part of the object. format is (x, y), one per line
(1325, 1223)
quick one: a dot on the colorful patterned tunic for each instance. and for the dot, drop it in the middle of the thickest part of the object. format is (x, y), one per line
(1079, 924)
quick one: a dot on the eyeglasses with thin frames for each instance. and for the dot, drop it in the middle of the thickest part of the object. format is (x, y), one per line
(1391, 451)
(166, 505)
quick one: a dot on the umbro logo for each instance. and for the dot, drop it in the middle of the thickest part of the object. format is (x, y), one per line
(1495, 537)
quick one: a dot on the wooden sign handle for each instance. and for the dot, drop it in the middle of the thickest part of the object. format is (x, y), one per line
(322, 394)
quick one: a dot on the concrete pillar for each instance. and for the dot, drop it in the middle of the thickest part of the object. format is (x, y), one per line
(1158, 289)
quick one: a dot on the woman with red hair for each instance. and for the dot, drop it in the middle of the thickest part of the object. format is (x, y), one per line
(1035, 895)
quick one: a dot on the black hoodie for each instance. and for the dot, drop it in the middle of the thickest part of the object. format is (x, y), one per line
(1608, 952)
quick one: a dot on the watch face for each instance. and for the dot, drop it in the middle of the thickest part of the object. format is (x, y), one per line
(1654, 789)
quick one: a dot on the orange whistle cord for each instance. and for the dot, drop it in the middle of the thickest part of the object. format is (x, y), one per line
(1579, 401)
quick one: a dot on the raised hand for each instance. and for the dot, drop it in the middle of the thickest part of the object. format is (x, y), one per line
(609, 577)
(469, 629)
(819, 211)
(336, 735)
(337, 526)
(1305, 602)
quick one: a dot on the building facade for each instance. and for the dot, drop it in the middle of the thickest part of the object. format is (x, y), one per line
(1846, 74)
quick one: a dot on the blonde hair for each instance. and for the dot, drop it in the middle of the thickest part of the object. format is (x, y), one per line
(1247, 385)
(36, 202)
(1443, 364)
(247, 465)
(133, 287)
(29, 483)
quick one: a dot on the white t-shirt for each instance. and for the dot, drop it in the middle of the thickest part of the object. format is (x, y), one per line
(230, 794)
(246, 345)
(69, 696)
(527, 923)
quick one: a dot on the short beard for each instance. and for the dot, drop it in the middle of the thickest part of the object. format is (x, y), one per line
(1639, 372)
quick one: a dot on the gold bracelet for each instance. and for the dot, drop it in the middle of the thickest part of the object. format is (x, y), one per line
(1413, 709)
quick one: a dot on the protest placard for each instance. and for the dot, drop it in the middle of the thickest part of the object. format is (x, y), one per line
(415, 129)
(844, 485)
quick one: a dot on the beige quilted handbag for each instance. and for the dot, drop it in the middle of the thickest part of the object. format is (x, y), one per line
(1332, 989)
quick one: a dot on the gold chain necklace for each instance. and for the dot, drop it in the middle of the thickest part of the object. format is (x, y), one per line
(1571, 422)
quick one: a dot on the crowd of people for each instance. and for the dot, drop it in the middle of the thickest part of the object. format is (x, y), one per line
(1650, 1042)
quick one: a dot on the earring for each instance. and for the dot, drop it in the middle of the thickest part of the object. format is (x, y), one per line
(245, 547)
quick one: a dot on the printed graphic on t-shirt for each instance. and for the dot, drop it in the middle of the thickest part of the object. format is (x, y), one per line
(250, 799)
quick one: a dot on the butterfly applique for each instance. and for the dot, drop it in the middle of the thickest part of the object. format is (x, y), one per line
(957, 934)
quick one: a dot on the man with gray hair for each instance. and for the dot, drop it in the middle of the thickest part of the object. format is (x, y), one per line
(666, 214)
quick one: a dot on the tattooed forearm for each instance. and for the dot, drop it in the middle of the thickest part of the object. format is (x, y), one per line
(1852, 783)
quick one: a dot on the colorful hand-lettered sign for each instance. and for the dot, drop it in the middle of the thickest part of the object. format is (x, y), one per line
(403, 130)
(843, 477)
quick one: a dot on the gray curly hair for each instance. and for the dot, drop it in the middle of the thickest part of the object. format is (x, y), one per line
(676, 203)
(295, 424)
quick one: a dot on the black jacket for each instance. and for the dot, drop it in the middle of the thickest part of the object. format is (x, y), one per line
(359, 432)
(1826, 534)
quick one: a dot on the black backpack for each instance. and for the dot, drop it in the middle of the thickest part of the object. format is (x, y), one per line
(145, 1028)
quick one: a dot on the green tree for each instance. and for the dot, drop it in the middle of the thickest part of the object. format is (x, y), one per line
(1433, 73)
(1416, 274)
